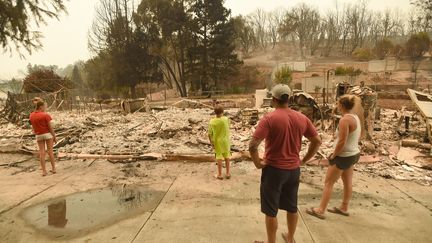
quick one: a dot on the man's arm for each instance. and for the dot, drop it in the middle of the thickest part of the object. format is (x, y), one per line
(253, 150)
(315, 143)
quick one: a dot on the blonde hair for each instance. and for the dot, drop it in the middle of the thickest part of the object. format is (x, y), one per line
(349, 101)
(38, 102)
(353, 103)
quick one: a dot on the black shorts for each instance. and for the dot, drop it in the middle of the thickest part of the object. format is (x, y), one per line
(344, 163)
(279, 190)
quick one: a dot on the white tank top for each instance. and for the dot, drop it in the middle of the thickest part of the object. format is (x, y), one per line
(351, 147)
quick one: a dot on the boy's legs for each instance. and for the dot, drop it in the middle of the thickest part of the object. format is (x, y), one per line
(219, 165)
(41, 145)
(227, 165)
(50, 149)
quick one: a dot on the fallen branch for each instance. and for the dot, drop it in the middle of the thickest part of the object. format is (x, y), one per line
(416, 144)
(149, 156)
(154, 156)
(18, 162)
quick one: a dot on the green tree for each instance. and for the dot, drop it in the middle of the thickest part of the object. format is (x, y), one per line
(283, 76)
(125, 44)
(76, 77)
(214, 50)
(171, 19)
(99, 74)
(415, 49)
(16, 16)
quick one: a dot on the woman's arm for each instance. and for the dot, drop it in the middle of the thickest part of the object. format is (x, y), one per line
(51, 130)
(343, 136)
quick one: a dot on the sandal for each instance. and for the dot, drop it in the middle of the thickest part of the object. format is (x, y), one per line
(285, 237)
(311, 211)
(339, 211)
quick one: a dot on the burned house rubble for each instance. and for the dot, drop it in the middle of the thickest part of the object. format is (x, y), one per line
(178, 132)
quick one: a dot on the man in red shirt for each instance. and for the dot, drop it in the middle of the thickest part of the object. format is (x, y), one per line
(282, 131)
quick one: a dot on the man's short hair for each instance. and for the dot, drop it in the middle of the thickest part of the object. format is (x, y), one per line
(218, 110)
(283, 99)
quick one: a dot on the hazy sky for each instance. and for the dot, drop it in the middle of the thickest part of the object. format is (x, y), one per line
(65, 40)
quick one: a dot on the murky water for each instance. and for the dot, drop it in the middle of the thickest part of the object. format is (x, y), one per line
(80, 213)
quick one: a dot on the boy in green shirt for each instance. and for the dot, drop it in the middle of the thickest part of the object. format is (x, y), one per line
(219, 136)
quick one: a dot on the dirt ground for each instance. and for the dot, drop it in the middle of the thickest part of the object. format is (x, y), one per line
(197, 208)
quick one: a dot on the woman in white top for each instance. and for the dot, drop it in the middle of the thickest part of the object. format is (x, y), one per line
(346, 153)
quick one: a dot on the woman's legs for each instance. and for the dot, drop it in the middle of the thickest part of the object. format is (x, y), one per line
(333, 174)
(41, 145)
(347, 176)
(50, 145)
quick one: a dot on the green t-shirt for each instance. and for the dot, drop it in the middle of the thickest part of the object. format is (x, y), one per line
(220, 134)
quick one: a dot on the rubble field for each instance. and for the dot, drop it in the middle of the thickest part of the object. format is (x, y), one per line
(184, 131)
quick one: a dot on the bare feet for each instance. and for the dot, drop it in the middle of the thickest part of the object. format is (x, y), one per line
(228, 176)
(219, 177)
(285, 237)
(44, 173)
(53, 171)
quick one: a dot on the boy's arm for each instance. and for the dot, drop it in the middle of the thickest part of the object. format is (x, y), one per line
(210, 135)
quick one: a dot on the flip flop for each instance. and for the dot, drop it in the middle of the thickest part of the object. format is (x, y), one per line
(336, 210)
(218, 177)
(285, 237)
(311, 211)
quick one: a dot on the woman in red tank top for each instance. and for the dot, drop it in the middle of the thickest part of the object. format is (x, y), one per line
(45, 136)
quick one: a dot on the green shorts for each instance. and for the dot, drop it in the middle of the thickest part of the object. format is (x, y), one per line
(221, 156)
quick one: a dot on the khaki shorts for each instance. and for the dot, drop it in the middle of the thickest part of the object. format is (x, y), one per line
(43, 137)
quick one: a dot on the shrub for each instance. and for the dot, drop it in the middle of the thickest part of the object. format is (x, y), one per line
(42, 80)
(283, 76)
(340, 71)
(362, 54)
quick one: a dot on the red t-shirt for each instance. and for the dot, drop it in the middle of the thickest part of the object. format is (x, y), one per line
(39, 121)
(283, 130)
